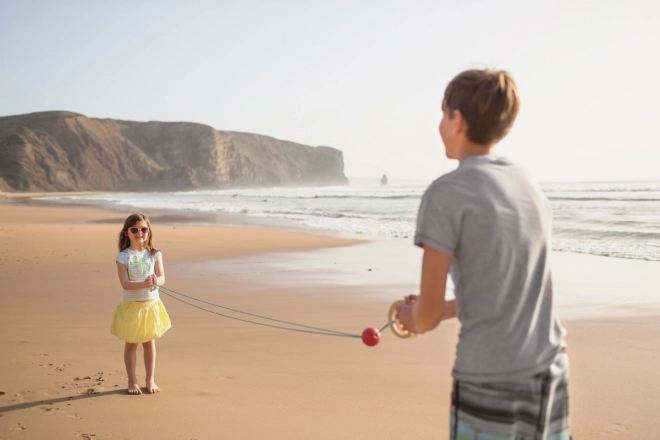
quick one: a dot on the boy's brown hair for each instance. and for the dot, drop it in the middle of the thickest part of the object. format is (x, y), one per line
(488, 100)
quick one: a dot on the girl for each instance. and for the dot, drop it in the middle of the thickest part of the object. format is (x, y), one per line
(141, 316)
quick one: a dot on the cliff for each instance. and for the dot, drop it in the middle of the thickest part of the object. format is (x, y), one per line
(64, 151)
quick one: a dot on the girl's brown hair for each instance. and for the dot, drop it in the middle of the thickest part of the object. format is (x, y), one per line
(132, 220)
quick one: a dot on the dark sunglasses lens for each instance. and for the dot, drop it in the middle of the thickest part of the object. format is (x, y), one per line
(135, 230)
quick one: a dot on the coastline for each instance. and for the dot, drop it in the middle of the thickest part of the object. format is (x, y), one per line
(171, 216)
(60, 287)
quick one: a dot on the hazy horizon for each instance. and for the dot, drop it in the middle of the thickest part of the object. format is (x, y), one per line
(364, 78)
(542, 182)
(452, 164)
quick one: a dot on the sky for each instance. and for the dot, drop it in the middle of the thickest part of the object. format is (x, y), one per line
(366, 77)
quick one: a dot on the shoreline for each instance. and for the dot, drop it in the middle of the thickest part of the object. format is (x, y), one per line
(182, 217)
(374, 268)
(230, 219)
(64, 375)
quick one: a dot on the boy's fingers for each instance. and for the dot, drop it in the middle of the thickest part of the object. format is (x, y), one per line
(411, 299)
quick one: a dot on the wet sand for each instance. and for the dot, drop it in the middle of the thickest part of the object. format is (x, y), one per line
(62, 373)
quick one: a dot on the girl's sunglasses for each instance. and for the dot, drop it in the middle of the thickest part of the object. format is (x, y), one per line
(135, 230)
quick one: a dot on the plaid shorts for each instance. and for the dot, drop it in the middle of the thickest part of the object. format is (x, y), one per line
(534, 408)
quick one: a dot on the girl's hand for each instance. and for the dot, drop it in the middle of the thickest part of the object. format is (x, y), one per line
(148, 282)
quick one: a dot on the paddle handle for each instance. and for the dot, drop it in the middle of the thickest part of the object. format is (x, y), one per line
(395, 325)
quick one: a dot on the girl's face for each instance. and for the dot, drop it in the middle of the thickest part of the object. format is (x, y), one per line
(138, 234)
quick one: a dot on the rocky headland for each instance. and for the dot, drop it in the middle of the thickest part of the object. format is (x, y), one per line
(65, 151)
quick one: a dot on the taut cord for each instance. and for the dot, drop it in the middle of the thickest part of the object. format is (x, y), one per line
(303, 329)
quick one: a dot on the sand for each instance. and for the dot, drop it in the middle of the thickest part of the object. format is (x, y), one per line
(62, 374)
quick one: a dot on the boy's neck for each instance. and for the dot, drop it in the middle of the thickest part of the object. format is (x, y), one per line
(469, 149)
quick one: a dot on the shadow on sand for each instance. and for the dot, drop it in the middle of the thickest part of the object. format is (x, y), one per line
(25, 405)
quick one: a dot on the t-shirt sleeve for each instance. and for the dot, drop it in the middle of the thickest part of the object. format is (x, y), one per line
(122, 257)
(438, 221)
(158, 256)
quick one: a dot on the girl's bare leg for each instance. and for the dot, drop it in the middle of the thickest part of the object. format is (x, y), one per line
(150, 365)
(130, 359)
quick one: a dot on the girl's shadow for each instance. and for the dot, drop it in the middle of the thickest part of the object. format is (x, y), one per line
(24, 405)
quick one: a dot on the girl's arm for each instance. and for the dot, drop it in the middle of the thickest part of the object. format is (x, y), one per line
(424, 312)
(159, 276)
(122, 271)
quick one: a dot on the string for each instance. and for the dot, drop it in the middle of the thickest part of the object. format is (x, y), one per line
(303, 329)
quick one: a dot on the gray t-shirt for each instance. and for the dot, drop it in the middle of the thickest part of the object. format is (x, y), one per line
(496, 225)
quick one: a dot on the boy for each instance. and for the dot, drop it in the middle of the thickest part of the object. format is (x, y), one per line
(490, 225)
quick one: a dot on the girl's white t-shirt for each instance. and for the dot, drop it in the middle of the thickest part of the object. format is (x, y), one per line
(139, 265)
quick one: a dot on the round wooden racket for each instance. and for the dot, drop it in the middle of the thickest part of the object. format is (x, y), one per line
(395, 325)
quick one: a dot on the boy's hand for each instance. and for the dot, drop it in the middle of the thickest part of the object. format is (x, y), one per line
(404, 314)
(411, 299)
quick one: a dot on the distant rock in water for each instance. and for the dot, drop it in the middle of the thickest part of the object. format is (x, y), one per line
(64, 151)
(383, 180)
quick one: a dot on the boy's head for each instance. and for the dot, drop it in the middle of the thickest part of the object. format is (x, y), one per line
(486, 102)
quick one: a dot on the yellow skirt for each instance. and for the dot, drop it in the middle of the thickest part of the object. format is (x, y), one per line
(136, 321)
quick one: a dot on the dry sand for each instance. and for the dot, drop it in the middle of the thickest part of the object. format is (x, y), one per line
(62, 374)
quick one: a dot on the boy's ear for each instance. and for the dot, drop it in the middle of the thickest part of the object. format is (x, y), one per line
(459, 122)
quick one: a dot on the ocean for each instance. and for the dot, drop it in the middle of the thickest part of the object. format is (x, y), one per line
(615, 219)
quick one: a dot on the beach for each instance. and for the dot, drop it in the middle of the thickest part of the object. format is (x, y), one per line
(62, 373)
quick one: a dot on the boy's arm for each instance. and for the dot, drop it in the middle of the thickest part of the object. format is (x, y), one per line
(450, 309)
(430, 308)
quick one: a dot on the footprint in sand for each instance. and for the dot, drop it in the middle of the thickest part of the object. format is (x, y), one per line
(24, 396)
(75, 383)
(619, 427)
(56, 368)
(48, 408)
(224, 378)
(94, 390)
(98, 379)
(19, 427)
(84, 435)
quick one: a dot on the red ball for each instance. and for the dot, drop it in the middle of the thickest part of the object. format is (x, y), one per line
(371, 336)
